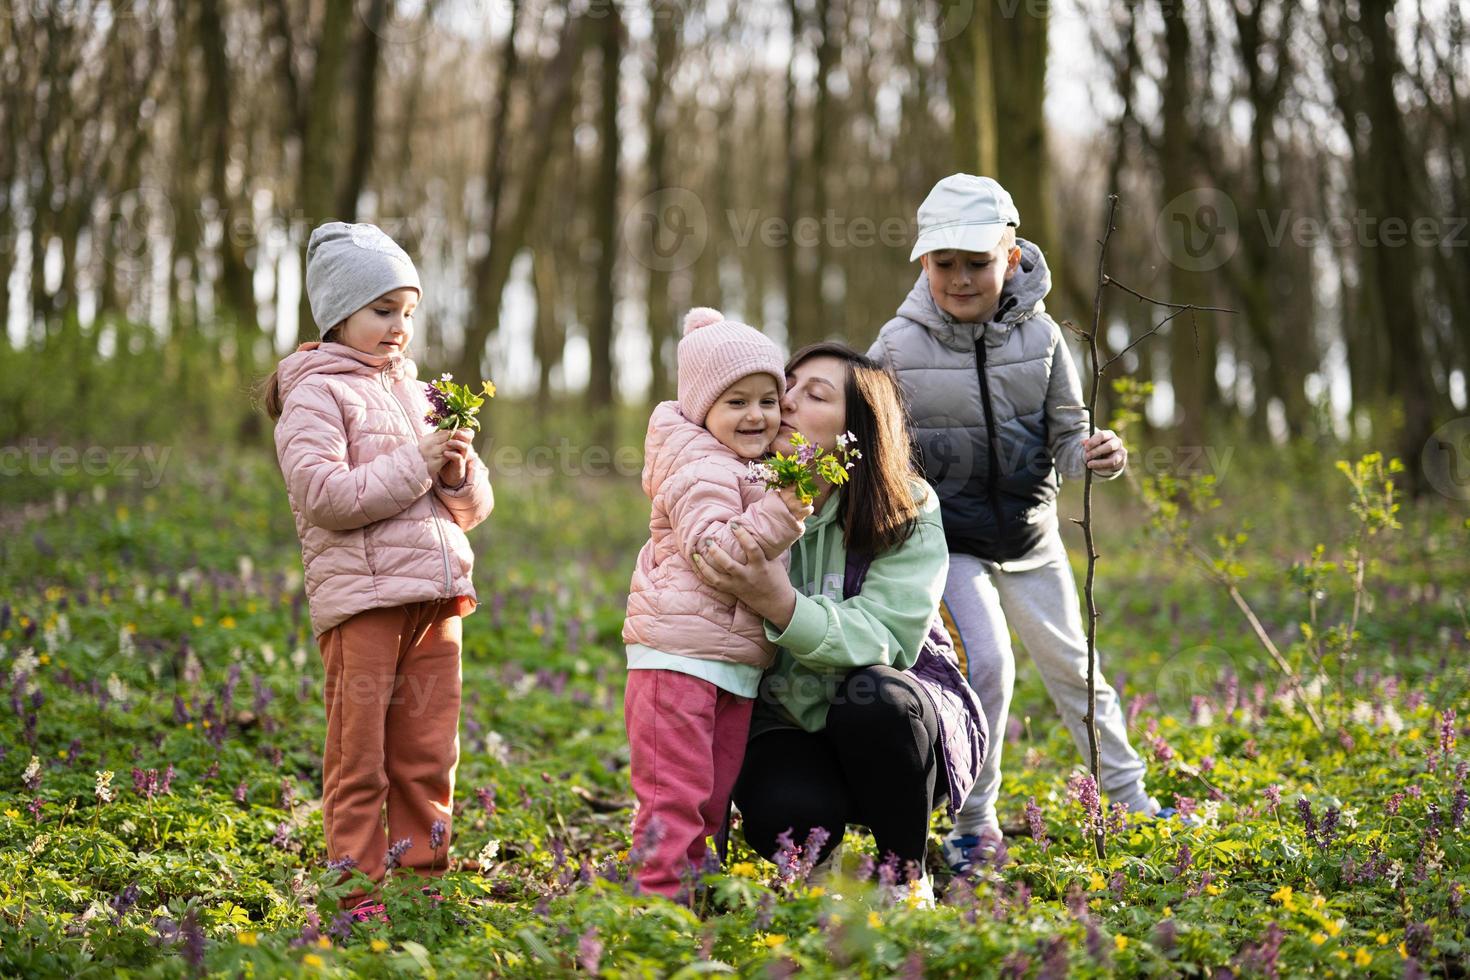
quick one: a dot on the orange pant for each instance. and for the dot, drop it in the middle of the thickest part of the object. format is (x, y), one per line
(392, 692)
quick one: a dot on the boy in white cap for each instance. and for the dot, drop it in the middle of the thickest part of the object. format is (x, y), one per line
(995, 401)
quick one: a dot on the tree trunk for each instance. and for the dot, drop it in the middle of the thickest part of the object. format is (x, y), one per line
(1190, 338)
(959, 81)
(1394, 266)
(320, 139)
(237, 287)
(983, 61)
(552, 108)
(364, 107)
(1020, 54)
(600, 386)
(796, 317)
(661, 329)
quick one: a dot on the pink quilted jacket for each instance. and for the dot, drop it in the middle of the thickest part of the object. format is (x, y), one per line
(697, 487)
(376, 528)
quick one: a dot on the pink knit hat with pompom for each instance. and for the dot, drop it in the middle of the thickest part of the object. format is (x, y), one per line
(715, 353)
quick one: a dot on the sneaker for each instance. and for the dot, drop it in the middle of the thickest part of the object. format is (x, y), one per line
(917, 893)
(963, 851)
(368, 910)
(823, 870)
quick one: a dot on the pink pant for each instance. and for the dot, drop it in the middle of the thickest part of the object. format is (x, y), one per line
(688, 741)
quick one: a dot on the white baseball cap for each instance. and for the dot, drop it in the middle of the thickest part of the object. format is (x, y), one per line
(964, 212)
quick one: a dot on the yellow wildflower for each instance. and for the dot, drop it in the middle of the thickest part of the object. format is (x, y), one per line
(311, 959)
(1333, 928)
(1363, 957)
(248, 939)
(744, 869)
(1120, 942)
(873, 920)
(378, 945)
(773, 940)
(1097, 883)
(1382, 939)
(1318, 938)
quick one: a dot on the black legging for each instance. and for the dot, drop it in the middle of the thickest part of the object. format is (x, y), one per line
(876, 764)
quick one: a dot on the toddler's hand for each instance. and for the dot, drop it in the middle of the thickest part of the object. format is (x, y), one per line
(799, 511)
(433, 448)
(456, 458)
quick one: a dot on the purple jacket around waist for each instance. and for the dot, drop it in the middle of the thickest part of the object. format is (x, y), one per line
(963, 733)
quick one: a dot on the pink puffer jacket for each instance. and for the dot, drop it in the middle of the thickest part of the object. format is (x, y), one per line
(697, 487)
(376, 528)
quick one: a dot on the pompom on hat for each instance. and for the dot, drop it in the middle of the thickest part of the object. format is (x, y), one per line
(715, 353)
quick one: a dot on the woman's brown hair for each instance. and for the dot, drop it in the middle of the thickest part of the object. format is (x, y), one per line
(877, 511)
(269, 390)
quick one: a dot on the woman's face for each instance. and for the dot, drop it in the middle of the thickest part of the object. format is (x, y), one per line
(815, 404)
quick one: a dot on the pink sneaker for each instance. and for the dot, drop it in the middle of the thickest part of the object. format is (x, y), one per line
(367, 911)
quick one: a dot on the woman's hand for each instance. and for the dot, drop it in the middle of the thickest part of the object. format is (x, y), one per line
(760, 583)
(1104, 453)
(456, 459)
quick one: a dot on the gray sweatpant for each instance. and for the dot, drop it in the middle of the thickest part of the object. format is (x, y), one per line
(1037, 596)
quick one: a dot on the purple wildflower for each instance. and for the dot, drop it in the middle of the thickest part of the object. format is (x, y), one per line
(341, 927)
(1309, 819)
(166, 782)
(124, 900)
(1037, 824)
(282, 836)
(1186, 805)
(788, 855)
(589, 950)
(1394, 802)
(1447, 731)
(1082, 789)
(145, 782)
(344, 863)
(1457, 809)
(241, 790)
(1273, 796)
(1165, 934)
(648, 843)
(193, 936)
(1184, 861)
(436, 835)
(486, 796)
(395, 852)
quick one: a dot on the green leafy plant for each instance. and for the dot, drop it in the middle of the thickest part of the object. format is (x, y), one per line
(800, 470)
(455, 406)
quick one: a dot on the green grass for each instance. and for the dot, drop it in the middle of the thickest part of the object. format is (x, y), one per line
(165, 627)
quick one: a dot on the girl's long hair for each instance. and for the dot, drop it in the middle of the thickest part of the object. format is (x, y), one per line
(269, 391)
(878, 511)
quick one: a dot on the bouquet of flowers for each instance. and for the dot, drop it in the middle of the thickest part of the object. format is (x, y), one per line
(455, 406)
(800, 469)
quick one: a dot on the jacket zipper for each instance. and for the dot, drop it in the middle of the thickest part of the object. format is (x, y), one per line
(438, 531)
(992, 453)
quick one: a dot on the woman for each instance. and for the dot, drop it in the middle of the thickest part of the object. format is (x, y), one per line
(864, 718)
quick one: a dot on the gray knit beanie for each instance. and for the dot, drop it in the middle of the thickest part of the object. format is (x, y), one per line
(349, 266)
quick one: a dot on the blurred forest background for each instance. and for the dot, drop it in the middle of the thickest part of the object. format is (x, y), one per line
(570, 177)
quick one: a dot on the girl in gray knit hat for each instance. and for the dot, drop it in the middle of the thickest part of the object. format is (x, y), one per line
(382, 501)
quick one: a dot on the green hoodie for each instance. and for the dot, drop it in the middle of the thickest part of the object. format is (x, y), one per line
(884, 624)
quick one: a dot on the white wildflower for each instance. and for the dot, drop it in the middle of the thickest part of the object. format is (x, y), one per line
(103, 789)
